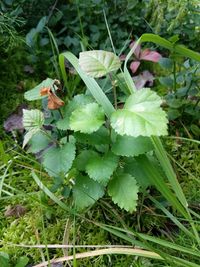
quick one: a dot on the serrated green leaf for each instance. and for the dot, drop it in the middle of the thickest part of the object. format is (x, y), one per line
(82, 159)
(77, 102)
(98, 63)
(129, 146)
(86, 192)
(58, 160)
(32, 119)
(100, 137)
(34, 94)
(101, 168)
(141, 115)
(38, 142)
(124, 191)
(87, 119)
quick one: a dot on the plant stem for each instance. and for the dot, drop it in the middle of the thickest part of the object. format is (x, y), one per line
(114, 90)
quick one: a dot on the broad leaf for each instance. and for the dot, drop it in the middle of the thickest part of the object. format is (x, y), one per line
(87, 119)
(83, 158)
(86, 192)
(34, 94)
(141, 115)
(129, 146)
(58, 160)
(98, 63)
(101, 168)
(77, 102)
(32, 119)
(100, 137)
(124, 191)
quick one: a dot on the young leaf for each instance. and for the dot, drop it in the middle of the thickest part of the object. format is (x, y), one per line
(34, 94)
(32, 119)
(58, 160)
(101, 168)
(124, 191)
(98, 63)
(77, 102)
(83, 158)
(129, 146)
(141, 115)
(87, 119)
(86, 192)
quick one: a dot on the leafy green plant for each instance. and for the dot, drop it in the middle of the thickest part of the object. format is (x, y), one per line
(81, 125)
(102, 161)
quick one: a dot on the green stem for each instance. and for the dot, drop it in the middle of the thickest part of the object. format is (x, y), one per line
(114, 90)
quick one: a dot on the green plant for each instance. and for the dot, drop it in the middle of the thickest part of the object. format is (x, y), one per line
(118, 153)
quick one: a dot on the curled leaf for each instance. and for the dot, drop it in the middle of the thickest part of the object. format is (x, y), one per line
(54, 102)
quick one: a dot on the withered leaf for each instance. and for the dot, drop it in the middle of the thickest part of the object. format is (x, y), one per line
(54, 102)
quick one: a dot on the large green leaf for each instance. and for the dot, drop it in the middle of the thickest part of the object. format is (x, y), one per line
(129, 146)
(101, 168)
(58, 160)
(77, 102)
(87, 119)
(124, 191)
(141, 115)
(86, 191)
(98, 63)
(34, 93)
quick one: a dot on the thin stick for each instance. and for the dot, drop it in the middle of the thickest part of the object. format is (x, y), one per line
(54, 246)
